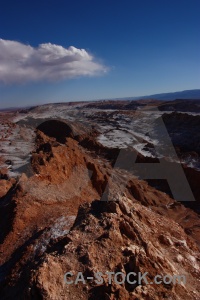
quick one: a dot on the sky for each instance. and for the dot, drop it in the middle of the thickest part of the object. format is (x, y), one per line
(60, 50)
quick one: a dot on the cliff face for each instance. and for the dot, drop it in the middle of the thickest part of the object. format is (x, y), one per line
(52, 222)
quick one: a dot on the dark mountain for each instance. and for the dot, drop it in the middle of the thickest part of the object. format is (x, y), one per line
(187, 94)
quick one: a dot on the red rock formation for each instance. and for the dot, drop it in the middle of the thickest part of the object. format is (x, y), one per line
(120, 236)
(142, 230)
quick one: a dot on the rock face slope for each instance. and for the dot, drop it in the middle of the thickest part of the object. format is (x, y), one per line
(137, 229)
(114, 236)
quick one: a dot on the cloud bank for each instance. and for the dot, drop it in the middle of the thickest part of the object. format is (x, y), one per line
(21, 63)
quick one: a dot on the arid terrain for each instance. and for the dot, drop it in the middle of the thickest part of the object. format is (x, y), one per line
(81, 191)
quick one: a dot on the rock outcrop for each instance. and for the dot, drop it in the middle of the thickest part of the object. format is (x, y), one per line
(76, 212)
(114, 236)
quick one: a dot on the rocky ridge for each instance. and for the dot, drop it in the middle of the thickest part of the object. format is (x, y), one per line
(46, 233)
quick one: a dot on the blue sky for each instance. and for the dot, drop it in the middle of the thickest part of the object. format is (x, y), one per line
(130, 48)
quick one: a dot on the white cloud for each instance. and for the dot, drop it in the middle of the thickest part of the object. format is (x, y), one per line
(21, 63)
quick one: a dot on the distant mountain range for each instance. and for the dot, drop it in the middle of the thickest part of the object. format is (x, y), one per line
(187, 94)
